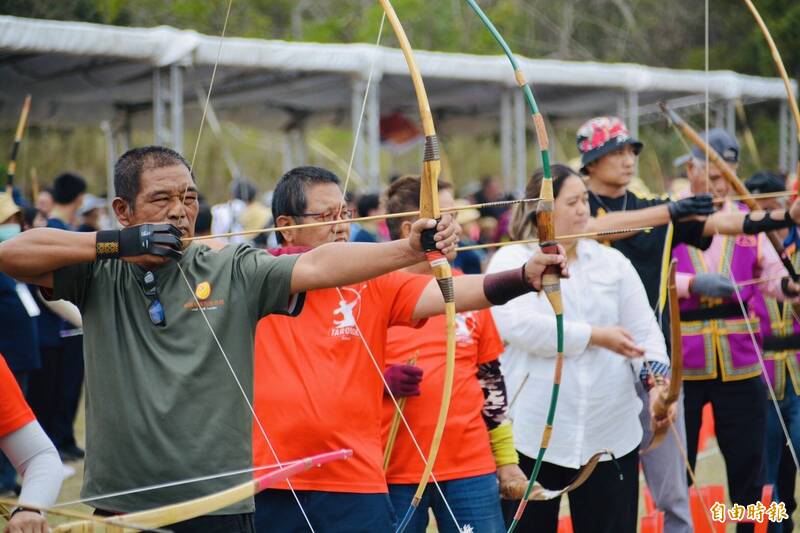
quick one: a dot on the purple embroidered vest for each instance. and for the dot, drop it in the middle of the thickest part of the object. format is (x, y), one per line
(722, 347)
(778, 319)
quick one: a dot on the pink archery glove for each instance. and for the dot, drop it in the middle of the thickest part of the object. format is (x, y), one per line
(403, 380)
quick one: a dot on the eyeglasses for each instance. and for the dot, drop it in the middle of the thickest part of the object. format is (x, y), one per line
(327, 216)
(155, 309)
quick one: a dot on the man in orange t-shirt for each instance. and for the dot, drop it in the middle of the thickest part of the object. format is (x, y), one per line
(317, 376)
(33, 455)
(466, 470)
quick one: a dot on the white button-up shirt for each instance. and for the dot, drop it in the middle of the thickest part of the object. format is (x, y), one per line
(598, 406)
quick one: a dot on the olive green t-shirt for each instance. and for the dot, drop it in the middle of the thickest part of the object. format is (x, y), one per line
(161, 403)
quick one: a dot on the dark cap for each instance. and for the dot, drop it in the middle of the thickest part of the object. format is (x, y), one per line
(722, 142)
(764, 182)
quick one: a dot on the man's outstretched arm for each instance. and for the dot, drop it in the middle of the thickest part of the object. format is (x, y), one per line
(751, 223)
(479, 291)
(691, 207)
(339, 264)
(34, 255)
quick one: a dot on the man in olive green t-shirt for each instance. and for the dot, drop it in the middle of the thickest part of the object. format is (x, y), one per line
(163, 322)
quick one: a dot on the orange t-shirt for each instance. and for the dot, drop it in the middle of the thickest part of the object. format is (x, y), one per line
(14, 410)
(465, 449)
(316, 386)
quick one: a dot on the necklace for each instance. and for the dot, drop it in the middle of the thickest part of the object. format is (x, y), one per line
(605, 206)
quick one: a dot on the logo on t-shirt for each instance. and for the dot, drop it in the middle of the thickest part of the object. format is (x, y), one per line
(466, 323)
(203, 290)
(346, 314)
(201, 298)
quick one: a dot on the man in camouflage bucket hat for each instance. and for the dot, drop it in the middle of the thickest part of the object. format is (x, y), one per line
(602, 135)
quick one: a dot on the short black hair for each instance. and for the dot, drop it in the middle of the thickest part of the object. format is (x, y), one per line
(202, 225)
(289, 197)
(130, 165)
(367, 203)
(28, 214)
(765, 181)
(67, 187)
(244, 190)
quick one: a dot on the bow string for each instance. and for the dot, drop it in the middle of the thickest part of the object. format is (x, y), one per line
(546, 231)
(429, 208)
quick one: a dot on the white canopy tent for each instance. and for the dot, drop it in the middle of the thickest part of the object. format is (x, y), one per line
(81, 73)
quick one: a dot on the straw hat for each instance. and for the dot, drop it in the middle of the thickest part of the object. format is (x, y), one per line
(255, 216)
(7, 206)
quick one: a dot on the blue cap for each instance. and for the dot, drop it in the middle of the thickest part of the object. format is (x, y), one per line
(722, 142)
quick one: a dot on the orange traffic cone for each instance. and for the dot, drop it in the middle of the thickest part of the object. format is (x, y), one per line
(649, 505)
(652, 523)
(700, 501)
(706, 428)
(766, 500)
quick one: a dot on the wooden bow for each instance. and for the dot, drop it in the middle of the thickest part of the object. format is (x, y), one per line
(395, 427)
(23, 121)
(179, 512)
(776, 58)
(734, 181)
(429, 208)
(519, 489)
(546, 231)
(667, 399)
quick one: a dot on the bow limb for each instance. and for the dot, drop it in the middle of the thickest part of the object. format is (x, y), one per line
(546, 230)
(776, 58)
(429, 208)
(518, 491)
(732, 179)
(667, 399)
(179, 512)
(395, 427)
(23, 121)
(6, 504)
(552, 288)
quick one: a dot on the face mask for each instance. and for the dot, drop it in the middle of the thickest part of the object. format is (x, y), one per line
(9, 230)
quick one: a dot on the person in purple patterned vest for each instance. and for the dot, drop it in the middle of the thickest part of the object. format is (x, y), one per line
(720, 309)
(608, 159)
(780, 328)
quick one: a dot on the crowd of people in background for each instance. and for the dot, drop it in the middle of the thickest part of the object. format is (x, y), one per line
(614, 300)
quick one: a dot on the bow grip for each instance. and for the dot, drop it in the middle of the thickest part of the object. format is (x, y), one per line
(550, 247)
(427, 239)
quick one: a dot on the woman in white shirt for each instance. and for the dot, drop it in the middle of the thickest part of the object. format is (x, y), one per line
(611, 341)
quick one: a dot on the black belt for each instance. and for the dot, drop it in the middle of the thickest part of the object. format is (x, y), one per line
(712, 313)
(782, 343)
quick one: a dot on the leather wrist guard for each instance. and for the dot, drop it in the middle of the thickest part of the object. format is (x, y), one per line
(751, 227)
(107, 244)
(502, 287)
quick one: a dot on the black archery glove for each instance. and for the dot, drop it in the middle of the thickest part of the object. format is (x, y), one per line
(163, 240)
(698, 205)
(788, 288)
